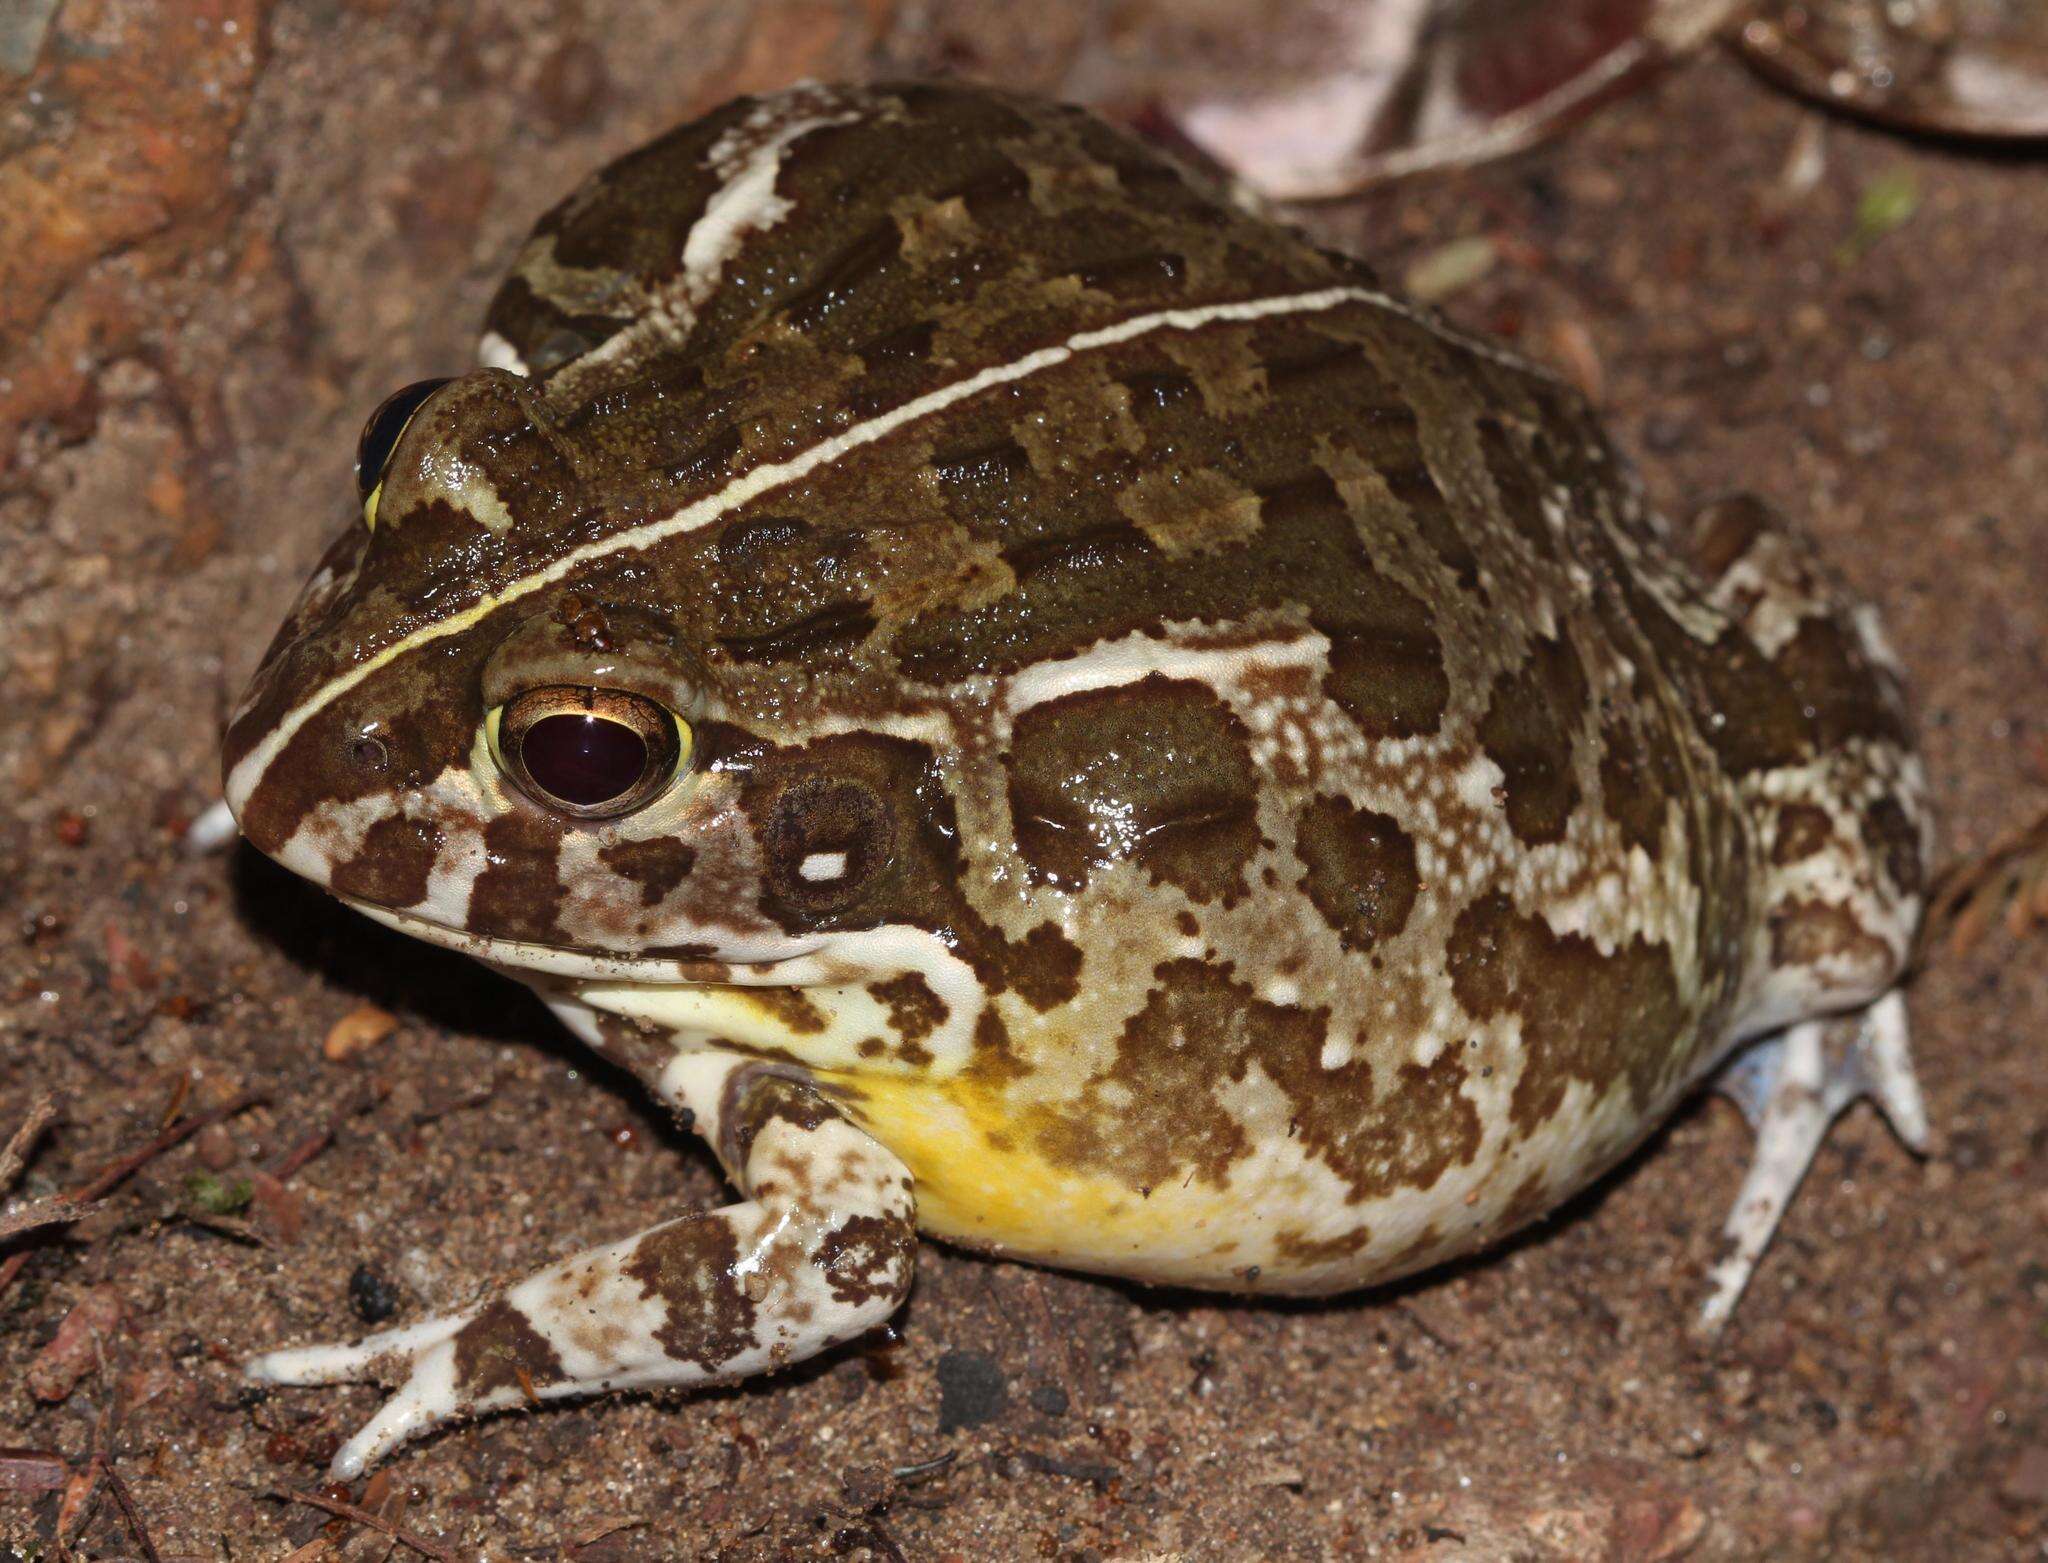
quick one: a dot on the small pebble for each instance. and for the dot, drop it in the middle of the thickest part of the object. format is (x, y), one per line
(373, 1298)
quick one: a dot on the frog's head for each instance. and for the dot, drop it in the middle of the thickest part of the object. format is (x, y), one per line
(481, 724)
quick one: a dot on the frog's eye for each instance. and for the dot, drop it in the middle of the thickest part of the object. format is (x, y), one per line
(591, 753)
(381, 434)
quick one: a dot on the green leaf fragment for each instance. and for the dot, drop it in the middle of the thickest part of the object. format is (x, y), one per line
(218, 1196)
(1887, 204)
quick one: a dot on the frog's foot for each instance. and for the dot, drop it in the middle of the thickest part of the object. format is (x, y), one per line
(820, 1252)
(1791, 1087)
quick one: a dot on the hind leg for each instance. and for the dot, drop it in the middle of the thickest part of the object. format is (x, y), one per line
(1791, 1087)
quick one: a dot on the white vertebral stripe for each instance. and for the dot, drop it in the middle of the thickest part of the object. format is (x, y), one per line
(759, 480)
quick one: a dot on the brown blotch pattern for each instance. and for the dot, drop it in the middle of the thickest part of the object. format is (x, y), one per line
(1803, 830)
(1154, 1114)
(519, 894)
(915, 1012)
(1045, 967)
(391, 866)
(1527, 732)
(656, 865)
(1296, 1249)
(1391, 683)
(1838, 690)
(500, 1349)
(1361, 870)
(1601, 1020)
(1726, 529)
(1157, 771)
(1515, 484)
(760, 1095)
(867, 1257)
(1641, 771)
(1894, 840)
(792, 1008)
(1810, 933)
(688, 1265)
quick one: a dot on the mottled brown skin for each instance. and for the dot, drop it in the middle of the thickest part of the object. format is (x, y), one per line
(1444, 823)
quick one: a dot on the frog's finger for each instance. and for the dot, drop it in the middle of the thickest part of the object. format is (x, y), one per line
(339, 1363)
(427, 1398)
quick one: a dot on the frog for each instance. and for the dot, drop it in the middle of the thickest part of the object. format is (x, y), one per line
(1032, 705)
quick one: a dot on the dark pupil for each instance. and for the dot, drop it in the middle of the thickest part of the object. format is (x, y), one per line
(581, 759)
(381, 433)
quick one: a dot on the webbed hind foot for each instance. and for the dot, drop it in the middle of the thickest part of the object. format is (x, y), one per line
(1791, 1087)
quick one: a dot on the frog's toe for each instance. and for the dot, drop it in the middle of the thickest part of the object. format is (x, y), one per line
(1791, 1087)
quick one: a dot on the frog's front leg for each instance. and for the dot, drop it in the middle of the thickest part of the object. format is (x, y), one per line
(820, 1251)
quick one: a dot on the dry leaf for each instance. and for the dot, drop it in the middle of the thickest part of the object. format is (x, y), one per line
(361, 1029)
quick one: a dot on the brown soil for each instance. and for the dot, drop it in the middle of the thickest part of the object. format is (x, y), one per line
(227, 228)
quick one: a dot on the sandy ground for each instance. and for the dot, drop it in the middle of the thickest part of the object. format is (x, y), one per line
(227, 228)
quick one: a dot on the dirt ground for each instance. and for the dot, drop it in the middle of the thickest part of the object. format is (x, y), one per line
(228, 227)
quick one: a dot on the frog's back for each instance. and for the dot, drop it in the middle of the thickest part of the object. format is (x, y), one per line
(1360, 824)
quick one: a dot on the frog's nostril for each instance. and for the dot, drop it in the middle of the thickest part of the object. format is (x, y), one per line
(370, 753)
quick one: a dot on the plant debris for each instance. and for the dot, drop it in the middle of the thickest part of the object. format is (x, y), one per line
(83, 1200)
(376, 1522)
(361, 1029)
(126, 1502)
(42, 1113)
(1451, 268)
(213, 1195)
(2012, 874)
(1887, 204)
(74, 1349)
(32, 1470)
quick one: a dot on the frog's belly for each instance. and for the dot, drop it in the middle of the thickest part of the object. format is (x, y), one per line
(1277, 1221)
(1012, 1161)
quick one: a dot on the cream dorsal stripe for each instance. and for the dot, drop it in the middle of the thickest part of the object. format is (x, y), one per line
(759, 480)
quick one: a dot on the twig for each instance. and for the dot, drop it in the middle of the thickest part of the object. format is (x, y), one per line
(43, 1213)
(297, 1157)
(140, 1530)
(313, 1144)
(923, 1470)
(348, 1511)
(32, 1470)
(13, 1160)
(179, 1092)
(229, 1226)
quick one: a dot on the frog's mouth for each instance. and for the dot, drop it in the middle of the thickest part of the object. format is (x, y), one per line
(762, 961)
(838, 970)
